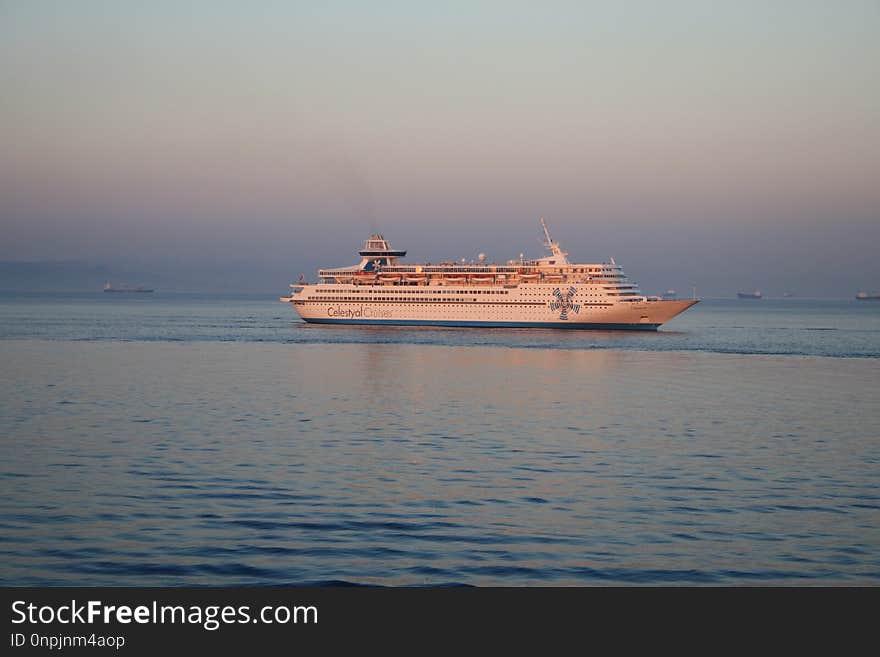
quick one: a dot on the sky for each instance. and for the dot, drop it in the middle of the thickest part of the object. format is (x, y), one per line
(727, 145)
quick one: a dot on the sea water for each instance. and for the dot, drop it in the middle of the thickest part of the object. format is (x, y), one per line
(184, 439)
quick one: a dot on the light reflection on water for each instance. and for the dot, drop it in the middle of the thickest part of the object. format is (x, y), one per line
(227, 463)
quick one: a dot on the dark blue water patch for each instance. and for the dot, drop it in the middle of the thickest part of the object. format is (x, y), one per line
(239, 570)
(130, 569)
(811, 509)
(694, 510)
(337, 551)
(342, 526)
(485, 538)
(331, 583)
(692, 488)
(429, 573)
(775, 575)
(797, 558)
(237, 495)
(12, 533)
(508, 571)
(179, 572)
(31, 518)
(74, 553)
(644, 575)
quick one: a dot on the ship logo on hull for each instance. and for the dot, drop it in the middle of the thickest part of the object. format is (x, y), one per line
(563, 302)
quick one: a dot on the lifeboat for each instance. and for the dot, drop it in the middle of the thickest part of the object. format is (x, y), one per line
(482, 279)
(415, 278)
(529, 277)
(553, 278)
(389, 278)
(455, 279)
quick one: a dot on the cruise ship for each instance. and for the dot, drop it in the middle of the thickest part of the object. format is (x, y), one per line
(548, 292)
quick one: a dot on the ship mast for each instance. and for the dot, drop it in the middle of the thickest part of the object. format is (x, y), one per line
(553, 246)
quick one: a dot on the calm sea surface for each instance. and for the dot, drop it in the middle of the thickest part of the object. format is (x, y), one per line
(183, 439)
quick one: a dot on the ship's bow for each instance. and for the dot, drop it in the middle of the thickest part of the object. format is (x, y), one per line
(663, 311)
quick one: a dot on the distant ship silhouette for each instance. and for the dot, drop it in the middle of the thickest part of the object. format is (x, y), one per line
(108, 287)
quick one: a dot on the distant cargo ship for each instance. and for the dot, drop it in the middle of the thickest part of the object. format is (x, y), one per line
(108, 287)
(868, 296)
(749, 295)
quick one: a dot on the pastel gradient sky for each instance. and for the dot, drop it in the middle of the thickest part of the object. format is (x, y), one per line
(731, 144)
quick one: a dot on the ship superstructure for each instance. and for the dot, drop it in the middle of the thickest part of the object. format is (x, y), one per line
(548, 292)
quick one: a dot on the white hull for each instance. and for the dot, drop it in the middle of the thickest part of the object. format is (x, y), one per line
(527, 305)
